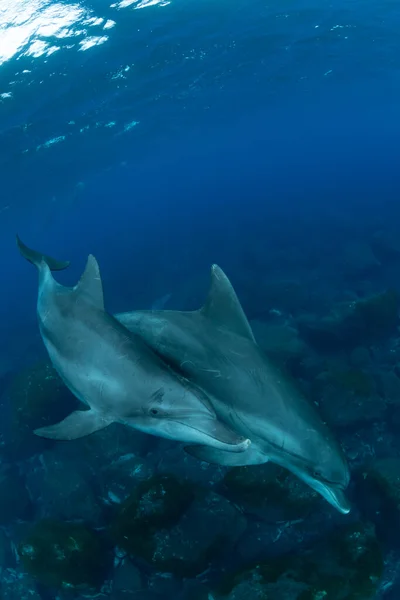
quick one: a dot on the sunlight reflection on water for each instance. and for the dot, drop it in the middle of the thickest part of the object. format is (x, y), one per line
(41, 27)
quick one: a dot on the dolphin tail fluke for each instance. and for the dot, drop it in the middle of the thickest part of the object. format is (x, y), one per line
(77, 425)
(36, 258)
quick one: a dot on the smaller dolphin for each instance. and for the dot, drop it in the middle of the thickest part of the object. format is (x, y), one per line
(112, 370)
(216, 349)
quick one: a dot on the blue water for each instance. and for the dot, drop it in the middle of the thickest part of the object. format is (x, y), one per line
(164, 136)
(152, 125)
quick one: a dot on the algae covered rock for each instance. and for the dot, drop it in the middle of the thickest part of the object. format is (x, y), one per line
(205, 534)
(390, 387)
(384, 473)
(352, 324)
(37, 397)
(354, 381)
(271, 488)
(17, 585)
(348, 396)
(176, 528)
(376, 316)
(155, 504)
(347, 565)
(322, 333)
(65, 555)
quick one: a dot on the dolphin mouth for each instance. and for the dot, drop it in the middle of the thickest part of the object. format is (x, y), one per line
(332, 492)
(221, 436)
(337, 498)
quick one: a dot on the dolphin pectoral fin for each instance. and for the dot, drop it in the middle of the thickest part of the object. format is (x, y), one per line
(36, 258)
(224, 458)
(76, 425)
(223, 307)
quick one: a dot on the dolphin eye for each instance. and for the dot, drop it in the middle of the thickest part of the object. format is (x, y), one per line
(317, 474)
(154, 412)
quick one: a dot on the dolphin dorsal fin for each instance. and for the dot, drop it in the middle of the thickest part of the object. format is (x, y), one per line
(90, 283)
(223, 307)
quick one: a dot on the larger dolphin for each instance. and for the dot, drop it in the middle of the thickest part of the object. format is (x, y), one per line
(215, 348)
(112, 370)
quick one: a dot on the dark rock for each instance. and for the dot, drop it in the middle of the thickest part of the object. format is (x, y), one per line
(270, 490)
(360, 357)
(193, 589)
(7, 559)
(144, 595)
(116, 440)
(285, 589)
(348, 397)
(270, 538)
(354, 381)
(288, 297)
(158, 503)
(280, 342)
(390, 386)
(122, 476)
(324, 334)
(176, 461)
(205, 534)
(37, 398)
(15, 502)
(378, 497)
(175, 527)
(347, 565)
(127, 579)
(386, 472)
(362, 322)
(64, 489)
(377, 316)
(166, 585)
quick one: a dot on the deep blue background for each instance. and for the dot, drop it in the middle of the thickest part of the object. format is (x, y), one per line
(260, 125)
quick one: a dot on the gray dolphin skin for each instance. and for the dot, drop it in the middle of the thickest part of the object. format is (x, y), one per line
(215, 348)
(113, 371)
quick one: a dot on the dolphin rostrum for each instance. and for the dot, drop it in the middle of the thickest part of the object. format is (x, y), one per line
(215, 348)
(113, 371)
